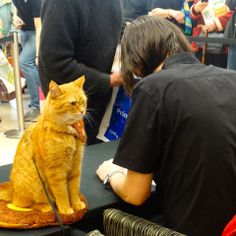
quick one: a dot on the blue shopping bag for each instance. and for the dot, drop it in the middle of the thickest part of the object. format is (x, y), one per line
(113, 124)
(119, 115)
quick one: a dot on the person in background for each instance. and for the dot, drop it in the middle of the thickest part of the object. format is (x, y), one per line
(134, 8)
(177, 12)
(5, 16)
(218, 25)
(27, 20)
(180, 131)
(180, 17)
(80, 38)
(230, 32)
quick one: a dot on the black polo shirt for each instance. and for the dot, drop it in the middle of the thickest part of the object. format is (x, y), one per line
(182, 128)
(28, 10)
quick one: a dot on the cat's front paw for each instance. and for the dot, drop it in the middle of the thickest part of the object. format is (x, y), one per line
(43, 207)
(66, 210)
(79, 205)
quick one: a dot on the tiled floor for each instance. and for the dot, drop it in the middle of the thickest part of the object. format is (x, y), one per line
(9, 121)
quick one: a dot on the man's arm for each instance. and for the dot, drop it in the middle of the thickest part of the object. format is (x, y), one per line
(137, 151)
(131, 186)
(196, 9)
(134, 188)
(168, 13)
(37, 24)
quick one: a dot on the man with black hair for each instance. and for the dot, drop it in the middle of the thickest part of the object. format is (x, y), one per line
(180, 131)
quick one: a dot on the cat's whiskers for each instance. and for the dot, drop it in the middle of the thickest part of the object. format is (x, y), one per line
(89, 119)
(90, 109)
(86, 116)
(89, 91)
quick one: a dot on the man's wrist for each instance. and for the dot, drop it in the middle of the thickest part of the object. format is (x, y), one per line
(107, 179)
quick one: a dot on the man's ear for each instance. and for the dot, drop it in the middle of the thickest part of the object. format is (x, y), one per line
(80, 81)
(54, 89)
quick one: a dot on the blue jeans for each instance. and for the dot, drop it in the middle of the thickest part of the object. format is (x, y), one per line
(28, 66)
(231, 63)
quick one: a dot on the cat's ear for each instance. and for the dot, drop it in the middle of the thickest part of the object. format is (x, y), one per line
(54, 89)
(80, 81)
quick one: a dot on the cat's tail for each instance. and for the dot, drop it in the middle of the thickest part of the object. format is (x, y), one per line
(6, 191)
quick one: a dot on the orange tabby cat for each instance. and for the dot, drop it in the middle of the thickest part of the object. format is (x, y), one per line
(57, 149)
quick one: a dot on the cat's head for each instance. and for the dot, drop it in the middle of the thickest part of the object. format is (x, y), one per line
(66, 103)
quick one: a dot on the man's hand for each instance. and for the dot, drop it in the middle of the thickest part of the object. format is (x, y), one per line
(116, 79)
(18, 22)
(107, 167)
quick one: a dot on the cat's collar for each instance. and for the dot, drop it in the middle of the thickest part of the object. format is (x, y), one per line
(80, 130)
(80, 134)
(76, 130)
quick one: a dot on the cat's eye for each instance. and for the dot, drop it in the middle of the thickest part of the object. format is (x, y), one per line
(73, 103)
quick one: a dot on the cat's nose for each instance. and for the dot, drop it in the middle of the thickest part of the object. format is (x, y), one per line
(81, 113)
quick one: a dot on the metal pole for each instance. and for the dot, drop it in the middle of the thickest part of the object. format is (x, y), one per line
(18, 89)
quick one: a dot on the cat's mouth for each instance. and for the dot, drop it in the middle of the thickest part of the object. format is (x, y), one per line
(72, 119)
(79, 116)
(80, 130)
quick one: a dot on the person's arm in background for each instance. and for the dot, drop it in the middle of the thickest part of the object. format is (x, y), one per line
(196, 9)
(17, 21)
(168, 13)
(37, 24)
(36, 10)
(165, 13)
(222, 21)
(132, 187)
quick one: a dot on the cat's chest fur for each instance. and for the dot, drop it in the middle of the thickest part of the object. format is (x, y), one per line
(55, 146)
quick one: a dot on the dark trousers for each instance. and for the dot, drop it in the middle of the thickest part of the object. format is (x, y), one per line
(219, 60)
